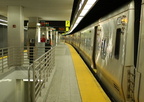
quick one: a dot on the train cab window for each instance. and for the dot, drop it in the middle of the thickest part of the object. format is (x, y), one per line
(117, 43)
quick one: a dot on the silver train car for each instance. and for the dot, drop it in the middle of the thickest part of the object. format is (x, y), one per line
(113, 47)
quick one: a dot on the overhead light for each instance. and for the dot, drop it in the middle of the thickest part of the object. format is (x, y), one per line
(88, 5)
(86, 8)
(83, 13)
(78, 19)
(80, 5)
(73, 27)
(27, 80)
(31, 80)
(91, 2)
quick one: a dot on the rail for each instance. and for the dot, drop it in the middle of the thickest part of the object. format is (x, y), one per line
(37, 61)
(38, 74)
(12, 57)
(3, 59)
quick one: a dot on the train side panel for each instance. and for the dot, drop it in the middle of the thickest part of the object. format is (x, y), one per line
(139, 79)
(83, 42)
(109, 43)
(115, 58)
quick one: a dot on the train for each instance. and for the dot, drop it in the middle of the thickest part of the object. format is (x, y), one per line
(113, 47)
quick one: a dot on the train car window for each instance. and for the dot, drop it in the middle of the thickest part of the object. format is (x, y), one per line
(98, 39)
(103, 48)
(117, 43)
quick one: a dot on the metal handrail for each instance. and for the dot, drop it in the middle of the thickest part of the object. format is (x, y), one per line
(39, 65)
(3, 59)
(41, 69)
(9, 57)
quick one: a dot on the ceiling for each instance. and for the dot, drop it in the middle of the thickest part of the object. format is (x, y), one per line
(56, 10)
(61, 10)
(99, 10)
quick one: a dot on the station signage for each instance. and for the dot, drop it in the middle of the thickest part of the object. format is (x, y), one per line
(67, 23)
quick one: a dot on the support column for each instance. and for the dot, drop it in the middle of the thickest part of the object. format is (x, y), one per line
(47, 33)
(32, 38)
(15, 35)
(33, 30)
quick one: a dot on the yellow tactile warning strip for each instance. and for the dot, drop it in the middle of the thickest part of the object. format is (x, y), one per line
(3, 57)
(7, 56)
(25, 50)
(90, 89)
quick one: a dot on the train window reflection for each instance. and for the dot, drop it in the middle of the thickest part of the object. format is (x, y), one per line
(117, 43)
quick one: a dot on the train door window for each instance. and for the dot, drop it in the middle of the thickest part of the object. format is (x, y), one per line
(98, 38)
(104, 48)
(117, 43)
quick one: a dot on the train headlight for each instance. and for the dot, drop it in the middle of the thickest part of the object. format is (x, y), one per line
(124, 20)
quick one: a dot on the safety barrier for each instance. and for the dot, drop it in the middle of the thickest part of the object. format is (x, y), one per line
(38, 74)
(3, 59)
(37, 61)
(12, 57)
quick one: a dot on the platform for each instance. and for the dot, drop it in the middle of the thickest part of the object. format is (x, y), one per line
(72, 80)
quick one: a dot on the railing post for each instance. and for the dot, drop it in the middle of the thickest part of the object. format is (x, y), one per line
(29, 88)
(43, 73)
(2, 61)
(47, 65)
(33, 93)
(43, 65)
(40, 77)
(53, 57)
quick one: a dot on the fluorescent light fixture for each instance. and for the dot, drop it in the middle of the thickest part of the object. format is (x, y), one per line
(85, 10)
(73, 27)
(87, 7)
(91, 2)
(83, 13)
(80, 5)
(27, 79)
(30, 80)
(78, 19)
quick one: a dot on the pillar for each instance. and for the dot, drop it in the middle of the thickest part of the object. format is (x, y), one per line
(33, 29)
(32, 38)
(15, 35)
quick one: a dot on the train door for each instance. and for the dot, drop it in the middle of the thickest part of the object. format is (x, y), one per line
(79, 39)
(96, 45)
(94, 48)
(139, 72)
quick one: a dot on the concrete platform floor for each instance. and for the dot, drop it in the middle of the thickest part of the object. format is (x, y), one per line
(64, 86)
